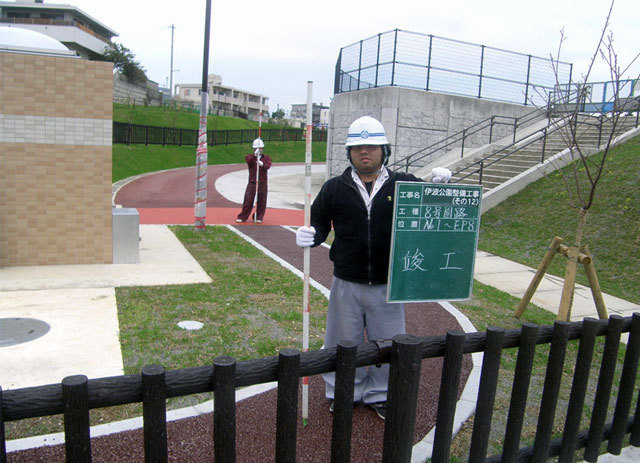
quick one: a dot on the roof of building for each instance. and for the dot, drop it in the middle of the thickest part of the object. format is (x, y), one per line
(19, 40)
(60, 7)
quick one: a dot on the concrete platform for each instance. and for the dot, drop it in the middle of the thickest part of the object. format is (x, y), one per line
(78, 303)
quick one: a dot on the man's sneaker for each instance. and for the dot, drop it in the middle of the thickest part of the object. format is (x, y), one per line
(331, 406)
(380, 408)
(258, 221)
(239, 220)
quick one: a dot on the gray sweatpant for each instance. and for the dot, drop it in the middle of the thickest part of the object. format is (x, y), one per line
(354, 308)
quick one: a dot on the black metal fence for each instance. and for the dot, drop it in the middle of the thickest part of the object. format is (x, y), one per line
(154, 385)
(149, 135)
(427, 62)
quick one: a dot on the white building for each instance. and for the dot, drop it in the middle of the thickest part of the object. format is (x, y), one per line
(67, 24)
(225, 100)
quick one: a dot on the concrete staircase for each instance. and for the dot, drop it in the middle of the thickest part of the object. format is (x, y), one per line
(499, 165)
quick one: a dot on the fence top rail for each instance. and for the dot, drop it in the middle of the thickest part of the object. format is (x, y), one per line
(46, 400)
(422, 34)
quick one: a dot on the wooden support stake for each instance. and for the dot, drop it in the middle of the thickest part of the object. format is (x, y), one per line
(542, 269)
(596, 292)
(566, 301)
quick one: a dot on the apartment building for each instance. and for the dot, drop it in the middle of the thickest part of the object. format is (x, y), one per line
(224, 100)
(67, 24)
(319, 114)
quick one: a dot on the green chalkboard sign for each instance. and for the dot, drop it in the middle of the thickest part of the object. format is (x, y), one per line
(434, 241)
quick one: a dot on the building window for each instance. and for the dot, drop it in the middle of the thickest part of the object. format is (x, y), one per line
(187, 92)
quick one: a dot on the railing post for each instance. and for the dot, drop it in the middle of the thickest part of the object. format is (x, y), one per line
(600, 129)
(493, 118)
(480, 75)
(481, 172)
(154, 414)
(393, 64)
(464, 136)
(402, 398)
(526, 90)
(486, 395)
(343, 401)
(515, 128)
(625, 391)
(286, 419)
(76, 419)
(377, 61)
(429, 61)
(146, 135)
(449, 384)
(544, 144)
(224, 411)
(550, 390)
(359, 64)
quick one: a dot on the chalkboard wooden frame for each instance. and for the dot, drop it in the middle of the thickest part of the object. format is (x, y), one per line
(434, 241)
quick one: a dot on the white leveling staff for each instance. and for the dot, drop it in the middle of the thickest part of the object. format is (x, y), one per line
(258, 162)
(307, 250)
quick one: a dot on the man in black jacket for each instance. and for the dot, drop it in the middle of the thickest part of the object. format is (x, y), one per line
(359, 206)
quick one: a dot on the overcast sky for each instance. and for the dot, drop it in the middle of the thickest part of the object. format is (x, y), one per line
(274, 47)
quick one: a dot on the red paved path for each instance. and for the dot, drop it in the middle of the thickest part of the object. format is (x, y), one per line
(168, 198)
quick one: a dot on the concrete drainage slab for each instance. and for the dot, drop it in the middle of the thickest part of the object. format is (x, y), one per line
(20, 330)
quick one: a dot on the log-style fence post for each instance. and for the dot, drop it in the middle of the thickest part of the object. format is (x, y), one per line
(486, 395)
(625, 391)
(3, 447)
(519, 391)
(449, 383)
(578, 390)
(287, 414)
(154, 416)
(343, 402)
(224, 409)
(402, 398)
(550, 391)
(603, 389)
(76, 419)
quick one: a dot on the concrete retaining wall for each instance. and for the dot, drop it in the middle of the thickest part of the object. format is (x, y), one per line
(413, 120)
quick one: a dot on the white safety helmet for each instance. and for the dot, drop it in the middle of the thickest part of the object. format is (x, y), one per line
(366, 131)
(258, 143)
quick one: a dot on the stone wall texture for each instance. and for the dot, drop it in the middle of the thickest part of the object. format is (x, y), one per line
(55, 160)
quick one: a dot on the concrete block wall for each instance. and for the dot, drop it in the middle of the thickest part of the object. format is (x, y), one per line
(413, 119)
(55, 160)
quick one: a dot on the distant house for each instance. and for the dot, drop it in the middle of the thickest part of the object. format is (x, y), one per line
(224, 100)
(319, 114)
(67, 24)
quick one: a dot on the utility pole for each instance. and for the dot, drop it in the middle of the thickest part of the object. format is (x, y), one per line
(171, 70)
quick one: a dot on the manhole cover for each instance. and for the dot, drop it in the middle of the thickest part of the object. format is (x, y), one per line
(18, 330)
(190, 325)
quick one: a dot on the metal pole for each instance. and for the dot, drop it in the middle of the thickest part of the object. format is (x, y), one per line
(200, 208)
(307, 250)
(171, 70)
(480, 76)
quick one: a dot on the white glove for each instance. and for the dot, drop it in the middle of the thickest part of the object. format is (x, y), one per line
(257, 152)
(304, 236)
(440, 175)
(260, 163)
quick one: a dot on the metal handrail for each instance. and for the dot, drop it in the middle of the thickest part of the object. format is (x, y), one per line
(550, 128)
(466, 132)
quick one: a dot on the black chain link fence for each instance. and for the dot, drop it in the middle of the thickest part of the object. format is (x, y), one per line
(150, 135)
(427, 62)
